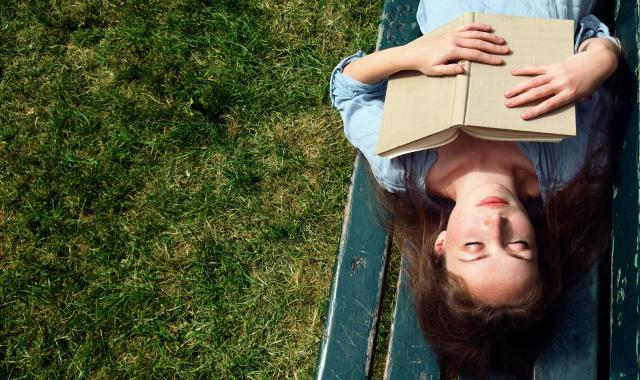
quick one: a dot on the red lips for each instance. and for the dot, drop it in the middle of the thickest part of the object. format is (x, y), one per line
(492, 201)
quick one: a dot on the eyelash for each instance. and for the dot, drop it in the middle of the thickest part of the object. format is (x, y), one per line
(511, 242)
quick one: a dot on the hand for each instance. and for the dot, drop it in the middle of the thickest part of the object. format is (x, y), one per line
(571, 80)
(472, 42)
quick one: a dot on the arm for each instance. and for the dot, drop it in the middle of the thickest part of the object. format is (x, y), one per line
(432, 55)
(571, 80)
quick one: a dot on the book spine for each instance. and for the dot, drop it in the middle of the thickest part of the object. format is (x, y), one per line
(461, 86)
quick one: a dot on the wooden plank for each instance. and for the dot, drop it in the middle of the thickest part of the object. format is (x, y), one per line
(398, 24)
(625, 319)
(409, 356)
(354, 302)
(347, 346)
(573, 353)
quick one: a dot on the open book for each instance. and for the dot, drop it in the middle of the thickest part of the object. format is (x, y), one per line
(423, 112)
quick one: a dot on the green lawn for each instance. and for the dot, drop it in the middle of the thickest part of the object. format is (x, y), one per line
(172, 179)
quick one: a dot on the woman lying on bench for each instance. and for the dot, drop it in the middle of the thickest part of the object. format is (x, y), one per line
(494, 231)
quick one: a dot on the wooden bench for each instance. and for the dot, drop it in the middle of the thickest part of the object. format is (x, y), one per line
(588, 347)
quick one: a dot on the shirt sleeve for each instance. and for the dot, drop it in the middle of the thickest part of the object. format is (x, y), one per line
(590, 27)
(361, 106)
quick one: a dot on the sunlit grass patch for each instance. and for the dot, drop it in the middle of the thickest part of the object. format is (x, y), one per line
(171, 185)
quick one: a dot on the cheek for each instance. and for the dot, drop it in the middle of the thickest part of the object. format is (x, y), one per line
(523, 225)
(461, 226)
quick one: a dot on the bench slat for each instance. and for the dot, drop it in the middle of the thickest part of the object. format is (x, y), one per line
(398, 25)
(573, 353)
(355, 298)
(625, 319)
(409, 356)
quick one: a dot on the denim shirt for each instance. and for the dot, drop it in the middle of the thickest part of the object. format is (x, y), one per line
(361, 105)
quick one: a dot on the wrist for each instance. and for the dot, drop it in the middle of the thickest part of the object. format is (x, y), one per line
(607, 58)
(400, 59)
(600, 44)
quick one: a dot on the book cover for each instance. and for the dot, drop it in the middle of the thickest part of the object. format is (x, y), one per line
(423, 112)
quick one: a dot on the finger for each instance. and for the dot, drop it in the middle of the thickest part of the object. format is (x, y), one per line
(474, 26)
(530, 70)
(476, 56)
(546, 106)
(484, 46)
(527, 85)
(451, 69)
(479, 35)
(531, 96)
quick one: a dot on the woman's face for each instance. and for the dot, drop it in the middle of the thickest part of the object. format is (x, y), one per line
(490, 243)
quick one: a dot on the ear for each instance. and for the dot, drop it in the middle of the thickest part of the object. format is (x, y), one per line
(438, 246)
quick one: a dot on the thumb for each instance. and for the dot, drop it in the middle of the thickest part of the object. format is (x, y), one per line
(450, 69)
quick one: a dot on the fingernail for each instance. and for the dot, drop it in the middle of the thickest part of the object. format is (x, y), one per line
(526, 116)
(507, 103)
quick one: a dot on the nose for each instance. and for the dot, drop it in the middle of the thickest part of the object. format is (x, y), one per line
(493, 219)
(494, 223)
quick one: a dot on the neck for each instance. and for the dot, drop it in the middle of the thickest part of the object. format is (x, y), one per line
(467, 163)
(480, 175)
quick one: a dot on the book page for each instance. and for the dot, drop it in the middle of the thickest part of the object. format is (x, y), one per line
(432, 141)
(532, 42)
(416, 105)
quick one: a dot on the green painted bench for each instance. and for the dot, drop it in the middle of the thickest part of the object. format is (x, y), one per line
(588, 347)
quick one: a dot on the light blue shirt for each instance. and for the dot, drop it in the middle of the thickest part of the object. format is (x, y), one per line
(434, 13)
(556, 164)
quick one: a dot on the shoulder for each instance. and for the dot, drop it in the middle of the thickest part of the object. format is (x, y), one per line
(556, 164)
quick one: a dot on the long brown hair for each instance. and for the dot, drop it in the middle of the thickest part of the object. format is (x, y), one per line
(471, 338)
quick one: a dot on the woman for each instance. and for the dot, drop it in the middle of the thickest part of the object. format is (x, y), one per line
(485, 275)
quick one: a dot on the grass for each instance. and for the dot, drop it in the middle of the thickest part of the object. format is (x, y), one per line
(172, 181)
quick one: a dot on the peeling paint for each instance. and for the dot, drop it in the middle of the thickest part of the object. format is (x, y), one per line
(637, 353)
(357, 263)
(618, 276)
(380, 30)
(620, 295)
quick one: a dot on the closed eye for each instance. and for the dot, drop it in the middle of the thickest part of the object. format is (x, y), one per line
(519, 245)
(473, 246)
